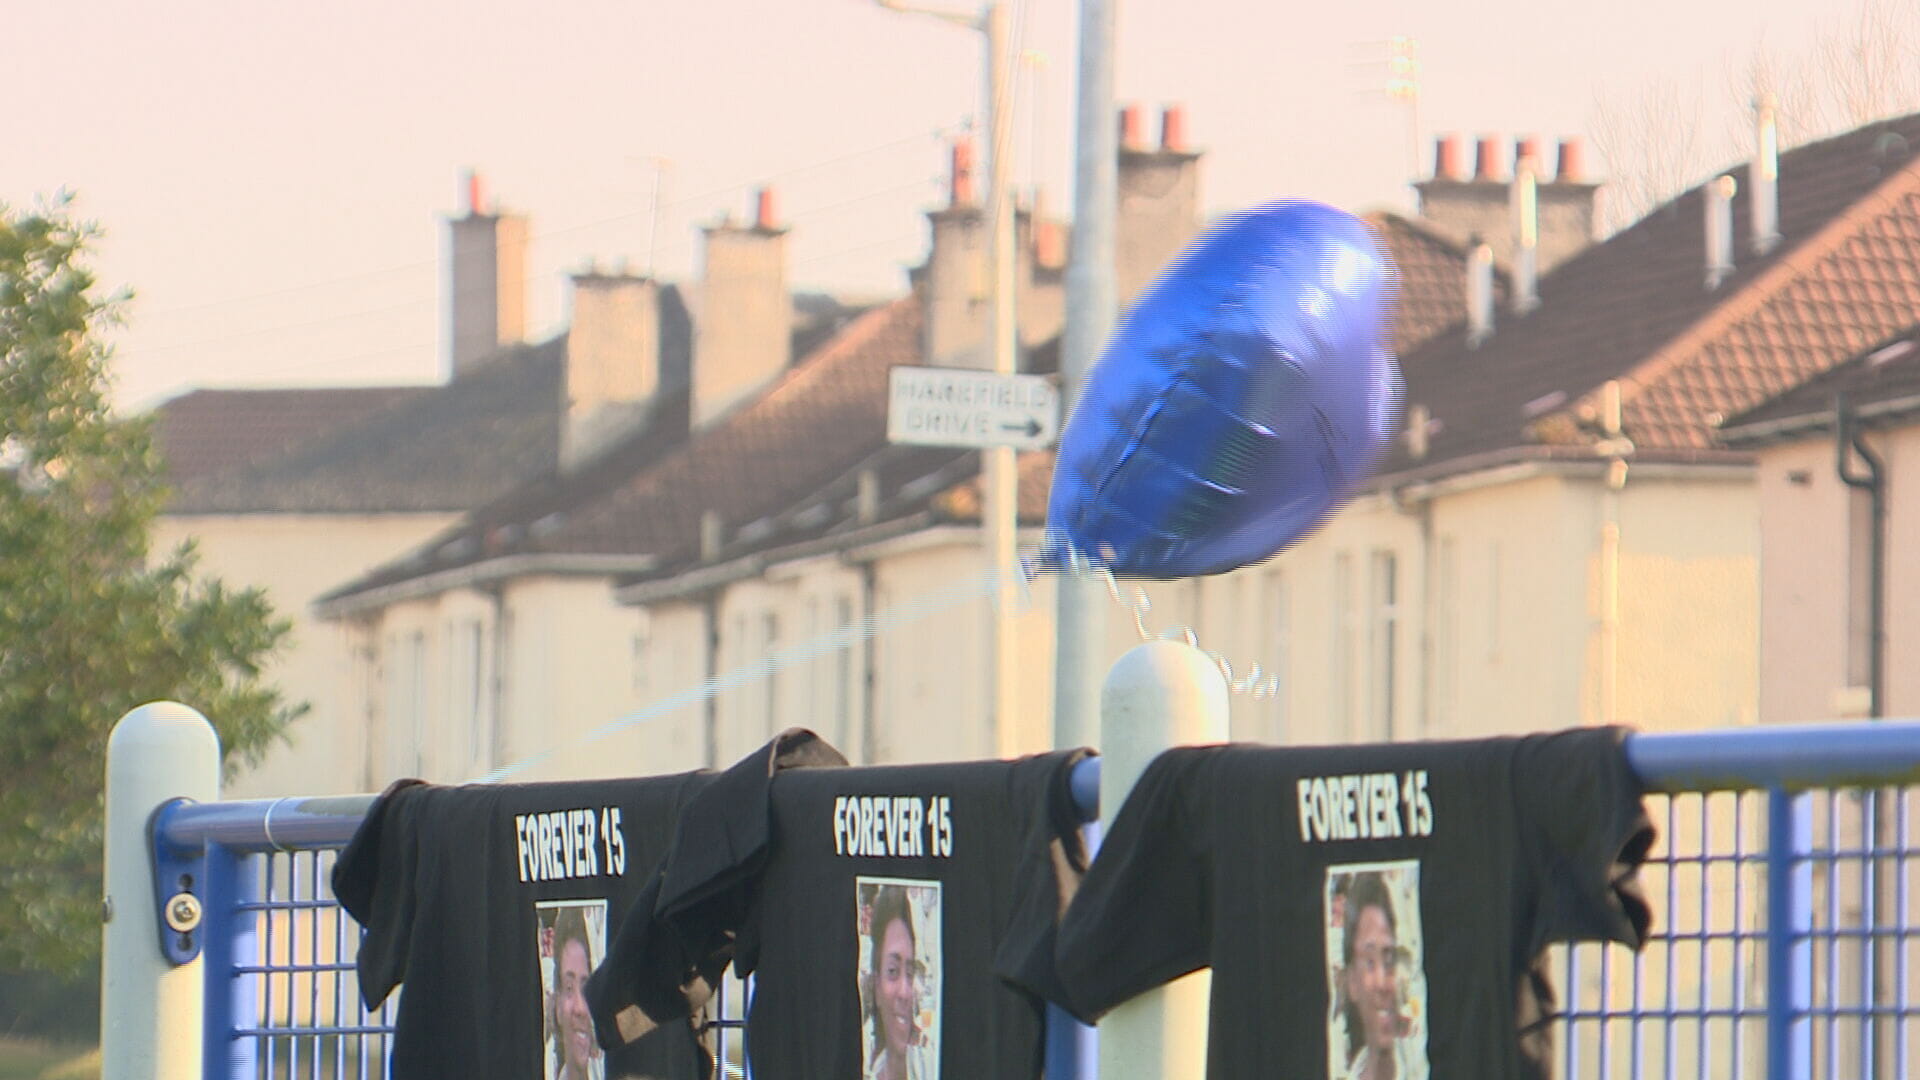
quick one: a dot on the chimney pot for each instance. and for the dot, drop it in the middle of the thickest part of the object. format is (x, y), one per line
(1130, 138)
(1573, 161)
(473, 192)
(1448, 162)
(1719, 221)
(1525, 195)
(960, 191)
(763, 214)
(1050, 244)
(1173, 128)
(1526, 151)
(1419, 420)
(1486, 163)
(1479, 294)
(1764, 177)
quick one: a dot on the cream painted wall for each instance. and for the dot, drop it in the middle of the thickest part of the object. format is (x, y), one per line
(1494, 622)
(1689, 603)
(570, 674)
(1806, 548)
(542, 679)
(295, 558)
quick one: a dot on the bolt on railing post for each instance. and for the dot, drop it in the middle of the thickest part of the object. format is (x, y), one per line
(150, 1010)
(1789, 925)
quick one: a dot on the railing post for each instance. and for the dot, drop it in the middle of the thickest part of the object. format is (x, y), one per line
(1789, 926)
(1160, 694)
(150, 1010)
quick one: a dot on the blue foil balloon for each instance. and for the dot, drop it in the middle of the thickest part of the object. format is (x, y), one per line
(1247, 394)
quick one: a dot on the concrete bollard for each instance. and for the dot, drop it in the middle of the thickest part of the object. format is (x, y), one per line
(150, 1010)
(1160, 694)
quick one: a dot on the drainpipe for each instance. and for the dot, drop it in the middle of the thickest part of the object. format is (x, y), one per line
(1873, 482)
(1848, 441)
(1422, 507)
(869, 652)
(711, 704)
(1617, 447)
(1417, 430)
(497, 685)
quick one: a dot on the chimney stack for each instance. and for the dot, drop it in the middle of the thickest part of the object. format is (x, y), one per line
(1479, 295)
(613, 370)
(1158, 209)
(1525, 193)
(1719, 216)
(954, 279)
(1481, 206)
(1765, 176)
(486, 282)
(1039, 273)
(743, 335)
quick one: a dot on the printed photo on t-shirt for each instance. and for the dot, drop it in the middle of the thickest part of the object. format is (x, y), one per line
(1376, 972)
(573, 939)
(899, 965)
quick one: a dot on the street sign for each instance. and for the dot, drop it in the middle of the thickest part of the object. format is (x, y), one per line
(963, 407)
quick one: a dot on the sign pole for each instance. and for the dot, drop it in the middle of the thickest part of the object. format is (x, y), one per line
(999, 478)
(1080, 619)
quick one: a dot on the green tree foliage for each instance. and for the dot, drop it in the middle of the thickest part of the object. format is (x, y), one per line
(90, 625)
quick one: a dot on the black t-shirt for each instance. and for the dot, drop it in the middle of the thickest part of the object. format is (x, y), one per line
(879, 914)
(1370, 907)
(493, 903)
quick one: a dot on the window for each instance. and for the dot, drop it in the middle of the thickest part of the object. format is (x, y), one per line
(1277, 652)
(1493, 602)
(816, 682)
(1383, 642)
(417, 700)
(842, 708)
(1446, 637)
(466, 690)
(1343, 646)
(770, 645)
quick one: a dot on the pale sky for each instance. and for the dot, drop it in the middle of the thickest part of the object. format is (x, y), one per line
(273, 176)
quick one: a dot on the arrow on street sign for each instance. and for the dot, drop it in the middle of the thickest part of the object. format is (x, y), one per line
(964, 407)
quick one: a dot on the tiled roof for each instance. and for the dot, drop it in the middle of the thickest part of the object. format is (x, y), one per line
(209, 431)
(1884, 380)
(821, 417)
(926, 486)
(1845, 274)
(783, 472)
(1433, 279)
(450, 448)
(444, 448)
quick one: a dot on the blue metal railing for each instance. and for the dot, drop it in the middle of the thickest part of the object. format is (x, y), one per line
(1785, 943)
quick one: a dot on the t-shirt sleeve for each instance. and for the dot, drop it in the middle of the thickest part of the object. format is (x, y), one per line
(1143, 914)
(1587, 833)
(374, 881)
(678, 936)
(1053, 859)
